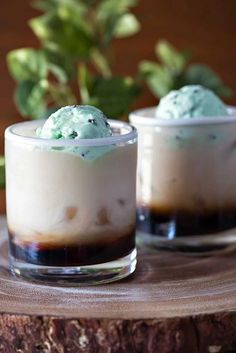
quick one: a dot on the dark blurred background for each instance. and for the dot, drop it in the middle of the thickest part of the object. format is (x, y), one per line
(207, 27)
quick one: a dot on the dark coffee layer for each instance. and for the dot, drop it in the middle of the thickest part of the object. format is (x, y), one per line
(73, 255)
(178, 223)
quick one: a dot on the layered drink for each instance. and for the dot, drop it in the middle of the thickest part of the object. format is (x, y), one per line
(71, 197)
(186, 185)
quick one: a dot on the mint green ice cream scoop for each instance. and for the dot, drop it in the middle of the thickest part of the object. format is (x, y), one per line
(190, 102)
(78, 122)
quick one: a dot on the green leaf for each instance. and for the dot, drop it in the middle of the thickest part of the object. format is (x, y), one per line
(114, 96)
(61, 95)
(27, 64)
(147, 68)
(58, 72)
(66, 36)
(29, 97)
(108, 8)
(109, 17)
(85, 81)
(170, 57)
(64, 62)
(2, 172)
(100, 62)
(158, 78)
(126, 25)
(203, 75)
(72, 11)
(224, 91)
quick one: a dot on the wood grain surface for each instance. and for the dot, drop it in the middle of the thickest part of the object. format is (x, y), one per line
(173, 303)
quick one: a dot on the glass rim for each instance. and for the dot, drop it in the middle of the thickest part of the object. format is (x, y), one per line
(146, 117)
(131, 134)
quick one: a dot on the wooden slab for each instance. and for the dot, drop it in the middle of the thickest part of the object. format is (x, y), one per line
(173, 303)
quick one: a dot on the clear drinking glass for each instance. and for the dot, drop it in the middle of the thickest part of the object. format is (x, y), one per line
(71, 205)
(186, 180)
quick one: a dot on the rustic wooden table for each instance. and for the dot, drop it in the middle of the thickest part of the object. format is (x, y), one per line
(173, 303)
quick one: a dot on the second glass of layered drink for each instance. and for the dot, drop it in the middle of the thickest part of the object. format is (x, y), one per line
(186, 184)
(71, 197)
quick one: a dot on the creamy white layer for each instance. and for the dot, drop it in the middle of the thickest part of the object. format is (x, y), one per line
(187, 167)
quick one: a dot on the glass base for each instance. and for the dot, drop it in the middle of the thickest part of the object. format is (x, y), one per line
(76, 276)
(202, 244)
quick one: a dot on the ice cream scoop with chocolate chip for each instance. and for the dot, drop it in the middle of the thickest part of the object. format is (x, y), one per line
(190, 102)
(78, 122)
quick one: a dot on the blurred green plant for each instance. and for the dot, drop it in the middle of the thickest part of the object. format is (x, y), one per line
(75, 55)
(75, 37)
(174, 70)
